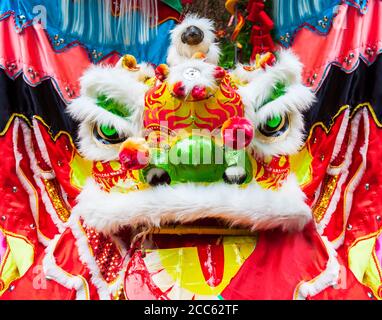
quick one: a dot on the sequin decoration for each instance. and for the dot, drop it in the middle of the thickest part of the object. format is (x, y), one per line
(106, 254)
(322, 204)
(53, 189)
(120, 294)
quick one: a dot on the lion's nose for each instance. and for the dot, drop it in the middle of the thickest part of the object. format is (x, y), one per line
(192, 36)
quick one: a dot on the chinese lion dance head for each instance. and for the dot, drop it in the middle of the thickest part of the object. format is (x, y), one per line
(189, 141)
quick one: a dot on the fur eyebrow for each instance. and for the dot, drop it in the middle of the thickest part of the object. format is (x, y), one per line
(279, 89)
(113, 106)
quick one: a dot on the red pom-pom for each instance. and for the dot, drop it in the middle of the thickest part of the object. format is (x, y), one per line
(199, 93)
(161, 72)
(134, 155)
(219, 73)
(237, 132)
(179, 89)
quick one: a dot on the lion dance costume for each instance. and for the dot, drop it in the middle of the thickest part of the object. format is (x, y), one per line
(183, 148)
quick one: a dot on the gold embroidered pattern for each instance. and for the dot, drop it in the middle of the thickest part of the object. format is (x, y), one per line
(322, 204)
(58, 202)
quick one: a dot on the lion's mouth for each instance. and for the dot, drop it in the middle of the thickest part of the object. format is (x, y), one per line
(190, 204)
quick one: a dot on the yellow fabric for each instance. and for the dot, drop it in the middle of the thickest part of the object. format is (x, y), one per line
(301, 165)
(80, 170)
(364, 265)
(180, 268)
(18, 261)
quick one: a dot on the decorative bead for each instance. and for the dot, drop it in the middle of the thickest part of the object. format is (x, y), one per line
(378, 218)
(367, 186)
(347, 61)
(32, 226)
(59, 163)
(30, 70)
(326, 19)
(370, 295)
(219, 73)
(179, 89)
(3, 218)
(199, 92)
(62, 41)
(351, 55)
(349, 227)
(315, 140)
(315, 76)
(67, 148)
(12, 287)
(56, 37)
(322, 157)
(369, 51)
(67, 89)
(14, 189)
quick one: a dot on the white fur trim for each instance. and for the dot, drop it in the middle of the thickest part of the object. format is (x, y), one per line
(179, 52)
(116, 83)
(40, 142)
(287, 70)
(344, 174)
(252, 206)
(353, 184)
(338, 143)
(26, 183)
(52, 271)
(92, 149)
(329, 277)
(119, 84)
(38, 176)
(296, 99)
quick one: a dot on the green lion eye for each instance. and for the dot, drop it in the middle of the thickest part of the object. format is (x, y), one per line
(108, 131)
(275, 126)
(107, 134)
(274, 122)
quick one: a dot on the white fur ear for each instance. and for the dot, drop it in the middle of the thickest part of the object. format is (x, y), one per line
(178, 51)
